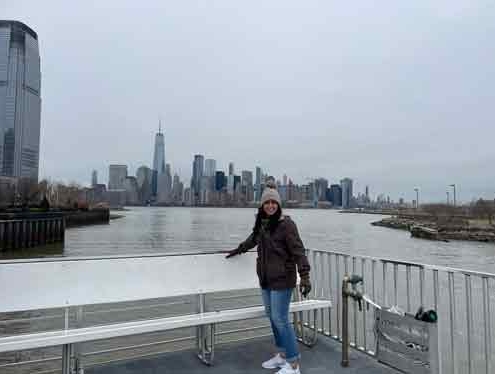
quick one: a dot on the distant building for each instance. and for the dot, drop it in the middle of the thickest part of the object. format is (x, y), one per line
(131, 190)
(258, 183)
(197, 173)
(219, 180)
(210, 167)
(177, 190)
(321, 185)
(346, 185)
(231, 168)
(144, 176)
(94, 178)
(158, 160)
(336, 194)
(20, 101)
(116, 177)
(116, 198)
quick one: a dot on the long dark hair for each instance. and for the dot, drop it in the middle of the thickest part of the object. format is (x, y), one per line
(273, 222)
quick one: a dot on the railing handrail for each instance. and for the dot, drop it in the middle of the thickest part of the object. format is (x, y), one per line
(415, 264)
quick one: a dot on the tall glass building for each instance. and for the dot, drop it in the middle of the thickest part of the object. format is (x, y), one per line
(20, 101)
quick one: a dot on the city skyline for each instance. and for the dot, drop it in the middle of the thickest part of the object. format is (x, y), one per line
(392, 98)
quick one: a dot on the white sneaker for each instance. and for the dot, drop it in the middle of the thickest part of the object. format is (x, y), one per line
(288, 369)
(275, 362)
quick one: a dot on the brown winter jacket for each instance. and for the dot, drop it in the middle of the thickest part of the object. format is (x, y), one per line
(278, 254)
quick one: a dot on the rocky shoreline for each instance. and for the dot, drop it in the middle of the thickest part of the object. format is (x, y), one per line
(439, 228)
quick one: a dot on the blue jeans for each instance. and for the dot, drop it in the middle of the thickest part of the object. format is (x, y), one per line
(276, 304)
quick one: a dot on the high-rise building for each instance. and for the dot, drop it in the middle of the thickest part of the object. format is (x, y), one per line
(346, 185)
(219, 180)
(164, 185)
(177, 190)
(20, 100)
(336, 194)
(197, 173)
(321, 185)
(158, 159)
(258, 184)
(94, 178)
(116, 177)
(231, 168)
(144, 176)
(210, 167)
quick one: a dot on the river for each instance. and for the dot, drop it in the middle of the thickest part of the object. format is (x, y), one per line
(174, 229)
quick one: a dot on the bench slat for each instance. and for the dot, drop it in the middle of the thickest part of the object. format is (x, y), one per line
(54, 338)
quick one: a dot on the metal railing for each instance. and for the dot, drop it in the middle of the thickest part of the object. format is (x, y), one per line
(463, 300)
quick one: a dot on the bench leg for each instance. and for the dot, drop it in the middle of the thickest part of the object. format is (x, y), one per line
(205, 339)
(70, 361)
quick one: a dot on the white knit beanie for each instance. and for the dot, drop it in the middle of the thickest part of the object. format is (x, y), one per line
(270, 193)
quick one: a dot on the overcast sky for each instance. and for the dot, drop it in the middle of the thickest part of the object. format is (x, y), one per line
(394, 94)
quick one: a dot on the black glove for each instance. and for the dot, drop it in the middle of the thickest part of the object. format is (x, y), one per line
(305, 286)
(234, 252)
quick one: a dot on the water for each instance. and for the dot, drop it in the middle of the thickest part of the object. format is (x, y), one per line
(166, 230)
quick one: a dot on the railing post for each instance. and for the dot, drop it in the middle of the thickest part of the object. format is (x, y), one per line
(345, 323)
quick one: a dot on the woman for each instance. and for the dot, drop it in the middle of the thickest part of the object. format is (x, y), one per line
(280, 249)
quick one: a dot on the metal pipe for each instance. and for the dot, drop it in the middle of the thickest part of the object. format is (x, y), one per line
(345, 324)
(421, 286)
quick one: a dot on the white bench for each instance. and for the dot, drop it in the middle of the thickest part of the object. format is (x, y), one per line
(64, 283)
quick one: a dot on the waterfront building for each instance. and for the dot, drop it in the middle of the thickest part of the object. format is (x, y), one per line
(116, 177)
(321, 185)
(230, 184)
(158, 159)
(177, 189)
(258, 182)
(219, 180)
(247, 189)
(197, 173)
(144, 176)
(164, 185)
(94, 178)
(20, 100)
(336, 194)
(346, 185)
(131, 190)
(210, 167)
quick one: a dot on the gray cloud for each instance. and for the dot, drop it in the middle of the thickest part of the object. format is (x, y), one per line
(393, 95)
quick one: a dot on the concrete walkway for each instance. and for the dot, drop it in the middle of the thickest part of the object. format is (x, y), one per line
(246, 357)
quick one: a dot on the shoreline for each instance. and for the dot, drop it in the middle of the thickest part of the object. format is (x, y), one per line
(439, 228)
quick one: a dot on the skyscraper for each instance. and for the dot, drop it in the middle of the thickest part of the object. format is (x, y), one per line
(197, 173)
(210, 167)
(94, 178)
(258, 184)
(346, 185)
(158, 159)
(116, 177)
(20, 101)
(231, 168)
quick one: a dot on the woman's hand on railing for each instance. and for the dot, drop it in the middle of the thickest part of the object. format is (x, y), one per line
(234, 252)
